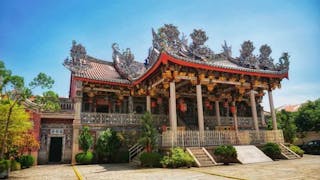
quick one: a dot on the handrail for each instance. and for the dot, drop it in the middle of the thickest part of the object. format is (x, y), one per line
(135, 150)
(287, 148)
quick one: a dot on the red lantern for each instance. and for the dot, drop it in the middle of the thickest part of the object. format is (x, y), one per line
(225, 104)
(183, 107)
(233, 109)
(153, 104)
(210, 107)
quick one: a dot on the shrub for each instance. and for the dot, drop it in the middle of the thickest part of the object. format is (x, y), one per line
(150, 159)
(297, 150)
(15, 165)
(26, 161)
(85, 139)
(226, 153)
(272, 150)
(178, 158)
(107, 146)
(148, 132)
(4, 165)
(84, 157)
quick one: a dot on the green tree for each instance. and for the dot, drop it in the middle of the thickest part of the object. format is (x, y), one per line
(149, 132)
(286, 123)
(13, 93)
(12, 129)
(107, 144)
(308, 116)
(85, 139)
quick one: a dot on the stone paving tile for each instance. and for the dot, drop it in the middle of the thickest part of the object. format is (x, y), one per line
(45, 172)
(123, 172)
(306, 168)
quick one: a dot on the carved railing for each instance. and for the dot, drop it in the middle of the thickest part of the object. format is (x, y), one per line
(214, 138)
(118, 119)
(66, 106)
(243, 122)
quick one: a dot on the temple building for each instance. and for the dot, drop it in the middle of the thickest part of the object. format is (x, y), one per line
(197, 97)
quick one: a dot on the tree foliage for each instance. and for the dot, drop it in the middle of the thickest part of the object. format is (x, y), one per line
(308, 116)
(85, 139)
(149, 132)
(13, 93)
(107, 144)
(286, 123)
(12, 130)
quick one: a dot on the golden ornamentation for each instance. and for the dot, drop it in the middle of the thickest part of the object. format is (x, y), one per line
(222, 78)
(166, 85)
(211, 86)
(202, 76)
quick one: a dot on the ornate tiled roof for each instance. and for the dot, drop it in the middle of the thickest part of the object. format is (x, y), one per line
(85, 66)
(124, 69)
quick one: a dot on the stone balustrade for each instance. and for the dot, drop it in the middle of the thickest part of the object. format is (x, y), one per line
(213, 138)
(114, 119)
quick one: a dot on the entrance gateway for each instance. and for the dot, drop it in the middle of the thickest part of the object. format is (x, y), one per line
(55, 151)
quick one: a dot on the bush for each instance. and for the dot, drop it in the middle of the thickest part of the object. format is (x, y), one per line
(26, 161)
(272, 150)
(84, 157)
(150, 159)
(4, 165)
(85, 139)
(297, 150)
(107, 146)
(226, 154)
(15, 165)
(178, 158)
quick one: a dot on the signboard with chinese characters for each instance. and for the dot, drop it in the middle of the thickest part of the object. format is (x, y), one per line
(56, 131)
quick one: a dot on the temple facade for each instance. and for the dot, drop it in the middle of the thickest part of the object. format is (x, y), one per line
(197, 97)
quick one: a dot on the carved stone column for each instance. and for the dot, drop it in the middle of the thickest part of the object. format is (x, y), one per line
(234, 114)
(200, 110)
(130, 104)
(148, 100)
(263, 122)
(235, 120)
(217, 107)
(173, 111)
(273, 113)
(76, 121)
(254, 110)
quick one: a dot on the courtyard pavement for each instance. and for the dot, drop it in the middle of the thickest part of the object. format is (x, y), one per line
(306, 168)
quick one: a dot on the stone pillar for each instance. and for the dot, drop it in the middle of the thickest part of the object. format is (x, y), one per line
(234, 115)
(263, 122)
(130, 104)
(254, 111)
(235, 120)
(148, 103)
(273, 113)
(76, 121)
(200, 110)
(173, 110)
(217, 107)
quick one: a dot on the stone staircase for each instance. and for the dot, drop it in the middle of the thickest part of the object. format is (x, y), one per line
(201, 156)
(287, 153)
(134, 154)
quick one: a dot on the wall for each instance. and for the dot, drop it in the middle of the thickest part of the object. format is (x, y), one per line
(309, 136)
(48, 127)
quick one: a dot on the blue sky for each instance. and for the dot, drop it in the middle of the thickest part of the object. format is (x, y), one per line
(36, 36)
